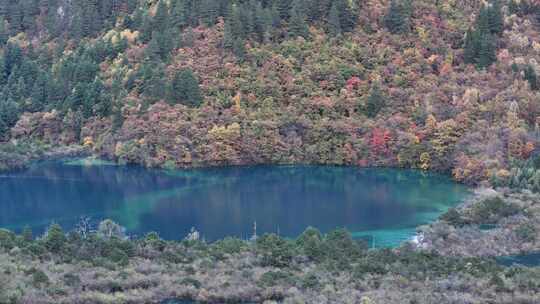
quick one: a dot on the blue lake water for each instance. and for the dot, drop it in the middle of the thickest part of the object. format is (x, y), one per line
(382, 205)
(528, 260)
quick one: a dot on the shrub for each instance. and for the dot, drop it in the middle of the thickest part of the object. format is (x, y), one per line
(71, 279)
(175, 257)
(310, 243)
(491, 210)
(229, 245)
(496, 282)
(310, 281)
(366, 266)
(153, 240)
(375, 102)
(120, 257)
(274, 278)
(274, 250)
(114, 286)
(27, 234)
(190, 270)
(526, 232)
(191, 281)
(341, 248)
(39, 278)
(55, 238)
(35, 249)
(454, 218)
(7, 239)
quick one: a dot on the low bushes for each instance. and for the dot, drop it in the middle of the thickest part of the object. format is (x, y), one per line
(314, 262)
(488, 211)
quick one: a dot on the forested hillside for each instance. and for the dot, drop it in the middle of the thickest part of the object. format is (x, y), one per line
(442, 85)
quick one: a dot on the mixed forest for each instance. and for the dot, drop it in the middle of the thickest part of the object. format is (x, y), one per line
(450, 86)
(436, 85)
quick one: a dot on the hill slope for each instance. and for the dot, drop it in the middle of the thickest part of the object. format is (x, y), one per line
(447, 86)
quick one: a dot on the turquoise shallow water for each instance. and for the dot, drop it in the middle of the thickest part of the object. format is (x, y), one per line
(529, 260)
(384, 205)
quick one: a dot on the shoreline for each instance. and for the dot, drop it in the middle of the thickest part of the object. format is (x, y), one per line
(476, 194)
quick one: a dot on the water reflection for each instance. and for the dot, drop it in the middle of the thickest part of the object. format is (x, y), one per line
(222, 202)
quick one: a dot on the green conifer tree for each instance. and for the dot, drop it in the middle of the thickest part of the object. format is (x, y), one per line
(346, 15)
(152, 76)
(228, 35)
(375, 102)
(179, 14)
(117, 118)
(185, 89)
(260, 23)
(153, 50)
(30, 10)
(77, 31)
(146, 28)
(513, 7)
(334, 24)
(27, 234)
(395, 19)
(161, 18)
(9, 112)
(4, 35)
(137, 19)
(471, 47)
(38, 95)
(55, 239)
(51, 18)
(283, 7)
(481, 43)
(275, 16)
(209, 12)
(482, 21)
(297, 25)
(239, 49)
(16, 15)
(4, 129)
(531, 77)
(495, 18)
(487, 51)
(188, 37)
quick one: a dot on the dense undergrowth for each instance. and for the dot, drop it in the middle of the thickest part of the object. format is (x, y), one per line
(104, 267)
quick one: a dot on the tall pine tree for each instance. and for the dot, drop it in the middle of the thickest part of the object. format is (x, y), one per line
(396, 20)
(185, 89)
(480, 44)
(161, 18)
(487, 52)
(334, 24)
(297, 24)
(375, 102)
(531, 77)
(346, 16)
(495, 18)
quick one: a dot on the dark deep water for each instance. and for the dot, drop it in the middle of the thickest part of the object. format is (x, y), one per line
(386, 204)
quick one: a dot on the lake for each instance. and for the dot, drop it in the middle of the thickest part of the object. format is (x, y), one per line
(381, 205)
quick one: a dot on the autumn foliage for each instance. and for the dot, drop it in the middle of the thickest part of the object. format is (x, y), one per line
(315, 99)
